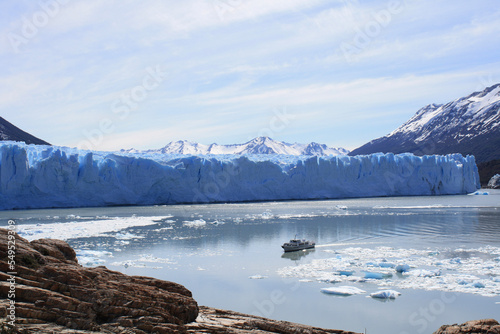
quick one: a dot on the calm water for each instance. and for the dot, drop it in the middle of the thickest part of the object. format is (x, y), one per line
(229, 256)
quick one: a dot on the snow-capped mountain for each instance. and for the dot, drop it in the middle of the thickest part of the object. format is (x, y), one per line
(468, 125)
(259, 145)
(8, 131)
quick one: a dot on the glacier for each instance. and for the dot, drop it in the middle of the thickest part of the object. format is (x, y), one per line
(37, 176)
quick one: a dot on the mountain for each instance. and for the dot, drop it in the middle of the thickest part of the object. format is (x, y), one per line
(259, 145)
(468, 125)
(8, 131)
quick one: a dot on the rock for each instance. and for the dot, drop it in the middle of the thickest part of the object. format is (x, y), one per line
(486, 326)
(51, 287)
(211, 320)
(54, 294)
(494, 182)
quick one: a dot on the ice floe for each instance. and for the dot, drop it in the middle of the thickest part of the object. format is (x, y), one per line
(402, 268)
(142, 262)
(92, 258)
(474, 271)
(195, 223)
(377, 275)
(86, 228)
(257, 277)
(385, 294)
(343, 290)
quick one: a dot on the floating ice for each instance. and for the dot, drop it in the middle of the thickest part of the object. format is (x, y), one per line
(480, 193)
(377, 275)
(385, 294)
(126, 236)
(142, 260)
(267, 215)
(343, 290)
(426, 273)
(476, 272)
(84, 228)
(477, 284)
(217, 222)
(150, 258)
(330, 280)
(383, 264)
(257, 277)
(34, 176)
(91, 258)
(402, 268)
(195, 223)
(346, 272)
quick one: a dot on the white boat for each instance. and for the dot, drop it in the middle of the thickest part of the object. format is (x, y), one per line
(297, 244)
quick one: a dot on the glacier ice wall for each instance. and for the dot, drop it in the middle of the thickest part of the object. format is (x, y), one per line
(47, 176)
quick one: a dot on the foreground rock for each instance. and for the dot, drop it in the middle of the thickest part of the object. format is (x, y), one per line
(54, 294)
(486, 326)
(52, 288)
(212, 320)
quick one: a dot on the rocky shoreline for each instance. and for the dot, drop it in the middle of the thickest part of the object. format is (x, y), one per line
(54, 294)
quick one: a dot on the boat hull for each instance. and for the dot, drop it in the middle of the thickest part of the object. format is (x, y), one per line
(296, 248)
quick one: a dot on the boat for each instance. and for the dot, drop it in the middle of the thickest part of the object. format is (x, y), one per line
(297, 244)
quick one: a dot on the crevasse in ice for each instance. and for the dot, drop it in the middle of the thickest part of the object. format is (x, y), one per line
(48, 176)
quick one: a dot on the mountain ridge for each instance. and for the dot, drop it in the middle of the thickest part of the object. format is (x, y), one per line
(258, 145)
(468, 125)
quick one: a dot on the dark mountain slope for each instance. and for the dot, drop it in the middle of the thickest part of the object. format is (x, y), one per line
(8, 131)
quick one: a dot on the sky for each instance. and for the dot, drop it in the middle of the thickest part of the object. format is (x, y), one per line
(107, 75)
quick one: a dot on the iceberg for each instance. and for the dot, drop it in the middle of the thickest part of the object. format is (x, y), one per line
(37, 176)
(385, 294)
(377, 275)
(402, 268)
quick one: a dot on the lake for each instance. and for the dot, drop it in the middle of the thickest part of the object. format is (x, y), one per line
(229, 255)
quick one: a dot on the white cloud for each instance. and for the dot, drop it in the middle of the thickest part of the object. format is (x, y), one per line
(231, 61)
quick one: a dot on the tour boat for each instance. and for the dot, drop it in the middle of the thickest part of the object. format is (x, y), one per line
(297, 244)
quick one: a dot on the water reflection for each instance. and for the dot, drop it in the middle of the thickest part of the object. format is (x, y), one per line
(297, 255)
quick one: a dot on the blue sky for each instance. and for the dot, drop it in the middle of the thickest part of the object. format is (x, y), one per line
(120, 74)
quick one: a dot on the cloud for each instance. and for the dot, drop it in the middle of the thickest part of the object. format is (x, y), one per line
(229, 62)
